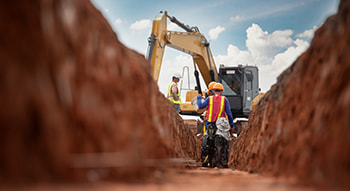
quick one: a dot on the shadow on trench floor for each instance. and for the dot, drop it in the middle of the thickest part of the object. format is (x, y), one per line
(196, 179)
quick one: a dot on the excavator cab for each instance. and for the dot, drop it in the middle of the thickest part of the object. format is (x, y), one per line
(240, 87)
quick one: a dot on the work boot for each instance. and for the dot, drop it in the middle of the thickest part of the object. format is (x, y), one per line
(205, 164)
(219, 156)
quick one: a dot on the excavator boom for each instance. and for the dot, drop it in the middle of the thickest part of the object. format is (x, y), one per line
(191, 42)
(157, 44)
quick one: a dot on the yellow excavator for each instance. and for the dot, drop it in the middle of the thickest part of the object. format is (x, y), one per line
(240, 83)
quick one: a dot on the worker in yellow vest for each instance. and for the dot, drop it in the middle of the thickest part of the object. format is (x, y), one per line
(174, 92)
(218, 108)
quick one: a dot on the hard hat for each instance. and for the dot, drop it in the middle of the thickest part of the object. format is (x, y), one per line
(177, 75)
(218, 86)
(211, 85)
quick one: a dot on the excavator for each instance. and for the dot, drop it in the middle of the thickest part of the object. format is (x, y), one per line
(240, 82)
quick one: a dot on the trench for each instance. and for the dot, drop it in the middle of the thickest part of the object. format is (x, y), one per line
(79, 106)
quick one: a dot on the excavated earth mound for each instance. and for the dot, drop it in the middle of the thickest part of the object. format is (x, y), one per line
(76, 104)
(300, 128)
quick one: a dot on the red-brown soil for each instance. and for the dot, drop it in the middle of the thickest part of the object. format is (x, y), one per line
(76, 102)
(184, 179)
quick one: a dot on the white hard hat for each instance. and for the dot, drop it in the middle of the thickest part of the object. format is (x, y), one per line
(177, 75)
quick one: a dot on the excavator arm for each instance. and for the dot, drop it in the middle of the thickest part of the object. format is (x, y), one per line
(191, 42)
(195, 44)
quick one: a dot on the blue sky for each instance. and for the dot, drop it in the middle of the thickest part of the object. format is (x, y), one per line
(270, 34)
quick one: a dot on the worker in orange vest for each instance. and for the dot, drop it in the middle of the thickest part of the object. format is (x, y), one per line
(218, 107)
(210, 92)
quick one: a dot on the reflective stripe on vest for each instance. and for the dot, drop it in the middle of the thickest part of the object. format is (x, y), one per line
(216, 108)
(222, 104)
(170, 95)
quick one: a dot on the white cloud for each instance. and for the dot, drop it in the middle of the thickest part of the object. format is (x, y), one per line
(141, 25)
(283, 60)
(234, 56)
(262, 53)
(214, 33)
(269, 73)
(118, 21)
(236, 18)
(261, 43)
(106, 10)
(308, 34)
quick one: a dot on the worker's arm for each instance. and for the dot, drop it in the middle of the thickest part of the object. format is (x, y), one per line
(200, 104)
(228, 112)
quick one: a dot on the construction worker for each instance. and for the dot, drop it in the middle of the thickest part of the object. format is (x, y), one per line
(174, 92)
(218, 107)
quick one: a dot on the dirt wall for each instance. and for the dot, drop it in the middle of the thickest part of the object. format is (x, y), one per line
(301, 126)
(76, 104)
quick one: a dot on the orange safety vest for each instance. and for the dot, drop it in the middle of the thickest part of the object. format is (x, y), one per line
(216, 108)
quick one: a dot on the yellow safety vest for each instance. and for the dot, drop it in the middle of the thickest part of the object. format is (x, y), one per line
(170, 95)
